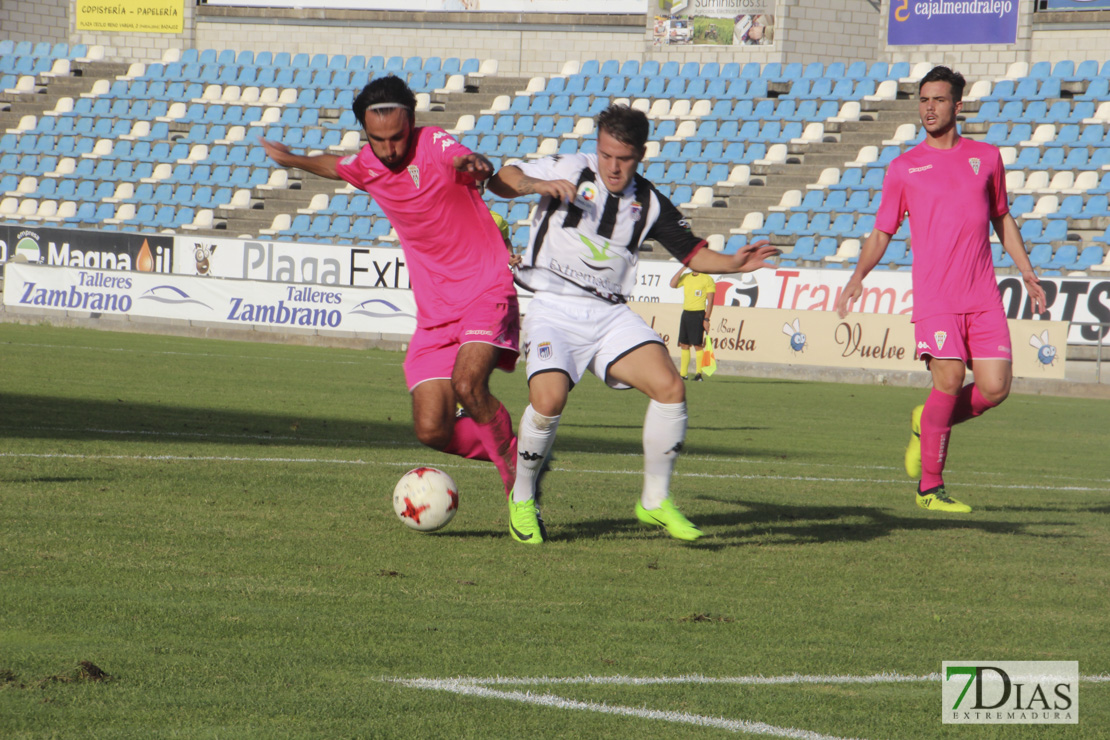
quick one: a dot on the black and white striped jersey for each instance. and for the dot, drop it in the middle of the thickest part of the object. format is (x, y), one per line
(591, 245)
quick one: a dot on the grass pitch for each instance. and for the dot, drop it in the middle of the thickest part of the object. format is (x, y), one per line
(209, 525)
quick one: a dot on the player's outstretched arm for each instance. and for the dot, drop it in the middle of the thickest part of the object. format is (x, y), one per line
(511, 182)
(747, 259)
(1009, 233)
(677, 275)
(873, 250)
(474, 165)
(323, 165)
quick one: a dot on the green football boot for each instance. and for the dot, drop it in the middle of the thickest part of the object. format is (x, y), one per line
(525, 524)
(935, 499)
(913, 449)
(669, 517)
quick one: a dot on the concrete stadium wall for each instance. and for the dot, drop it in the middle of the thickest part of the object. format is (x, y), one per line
(1058, 36)
(536, 44)
(836, 30)
(522, 49)
(36, 20)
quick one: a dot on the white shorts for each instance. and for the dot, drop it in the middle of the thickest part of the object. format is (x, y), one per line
(570, 335)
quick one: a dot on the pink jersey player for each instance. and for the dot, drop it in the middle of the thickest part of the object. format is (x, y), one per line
(953, 190)
(951, 197)
(467, 317)
(426, 200)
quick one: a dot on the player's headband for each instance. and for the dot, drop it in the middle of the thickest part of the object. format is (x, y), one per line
(387, 106)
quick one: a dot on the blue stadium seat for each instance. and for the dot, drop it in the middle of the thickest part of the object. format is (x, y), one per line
(834, 201)
(774, 224)
(802, 250)
(1033, 113)
(1086, 70)
(1002, 90)
(1096, 206)
(1090, 256)
(1065, 254)
(690, 69)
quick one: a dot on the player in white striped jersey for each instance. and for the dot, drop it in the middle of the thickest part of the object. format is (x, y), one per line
(594, 213)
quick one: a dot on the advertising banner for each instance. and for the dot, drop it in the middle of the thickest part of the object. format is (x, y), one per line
(945, 22)
(106, 250)
(290, 262)
(885, 291)
(234, 303)
(714, 22)
(131, 16)
(787, 335)
(576, 7)
(1078, 299)
(868, 341)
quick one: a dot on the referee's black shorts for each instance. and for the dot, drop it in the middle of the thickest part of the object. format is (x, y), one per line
(691, 328)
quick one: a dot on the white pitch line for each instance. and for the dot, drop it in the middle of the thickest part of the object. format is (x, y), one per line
(480, 687)
(325, 461)
(705, 458)
(558, 702)
(785, 680)
(794, 678)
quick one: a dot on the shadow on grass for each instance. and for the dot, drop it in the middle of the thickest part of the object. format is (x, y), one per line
(761, 523)
(47, 479)
(638, 426)
(1047, 509)
(52, 417)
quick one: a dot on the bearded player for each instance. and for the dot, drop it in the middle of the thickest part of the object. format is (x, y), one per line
(467, 320)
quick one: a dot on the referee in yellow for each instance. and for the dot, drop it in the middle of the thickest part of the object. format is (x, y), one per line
(697, 306)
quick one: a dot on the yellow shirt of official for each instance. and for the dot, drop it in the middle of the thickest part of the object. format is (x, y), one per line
(696, 290)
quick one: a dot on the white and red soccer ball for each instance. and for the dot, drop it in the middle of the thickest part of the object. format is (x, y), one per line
(426, 499)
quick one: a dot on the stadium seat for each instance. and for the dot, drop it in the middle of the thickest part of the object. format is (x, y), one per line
(1090, 256)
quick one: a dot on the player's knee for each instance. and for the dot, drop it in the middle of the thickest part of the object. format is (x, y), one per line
(672, 391)
(996, 393)
(549, 405)
(547, 401)
(469, 392)
(434, 435)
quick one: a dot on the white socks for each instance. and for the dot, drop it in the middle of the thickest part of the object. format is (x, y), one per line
(664, 433)
(534, 438)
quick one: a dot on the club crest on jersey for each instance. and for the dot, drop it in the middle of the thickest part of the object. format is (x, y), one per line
(635, 210)
(544, 350)
(414, 173)
(974, 162)
(587, 195)
(939, 337)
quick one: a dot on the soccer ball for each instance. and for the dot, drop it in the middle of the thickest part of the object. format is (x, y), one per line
(426, 499)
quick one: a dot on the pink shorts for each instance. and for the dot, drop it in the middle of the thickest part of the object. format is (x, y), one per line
(964, 336)
(432, 351)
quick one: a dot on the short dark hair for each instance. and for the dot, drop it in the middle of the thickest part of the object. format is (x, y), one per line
(626, 125)
(389, 89)
(944, 74)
